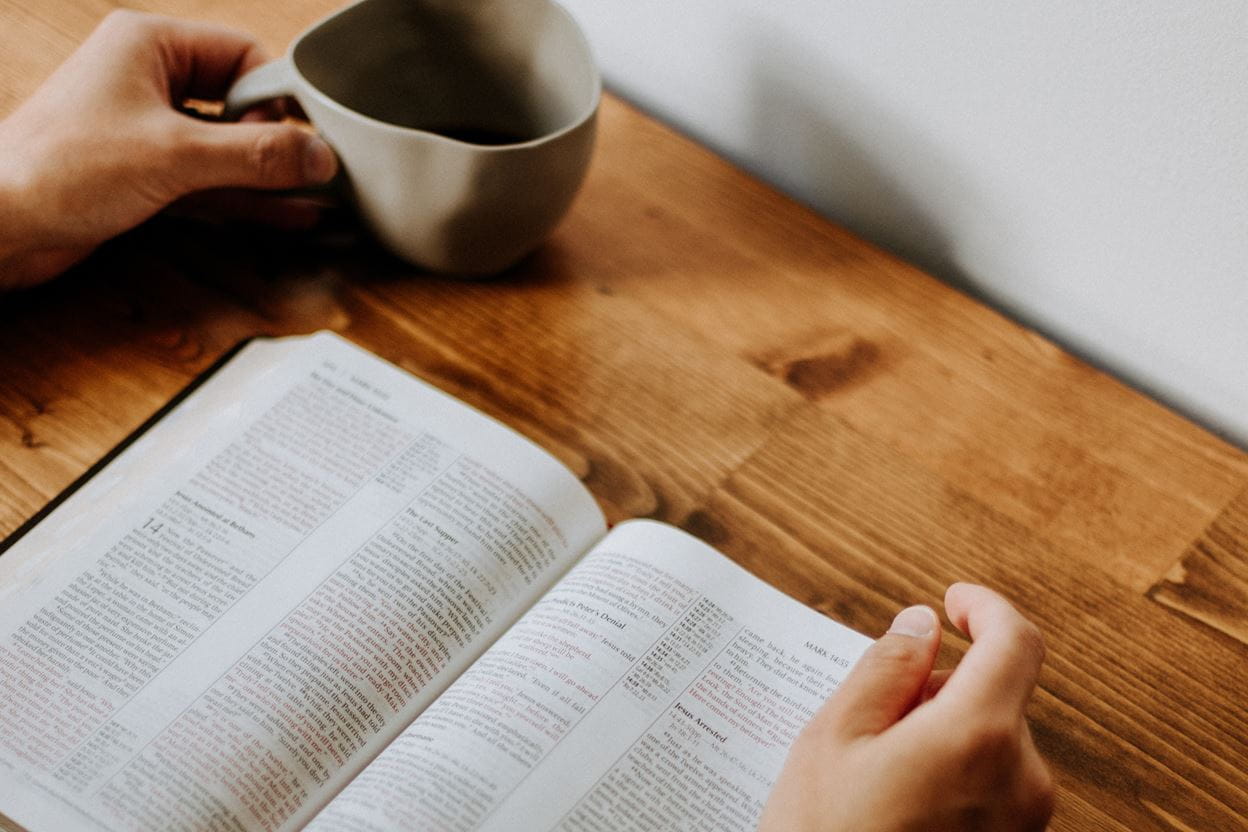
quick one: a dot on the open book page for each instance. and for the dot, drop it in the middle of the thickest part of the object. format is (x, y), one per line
(225, 624)
(657, 686)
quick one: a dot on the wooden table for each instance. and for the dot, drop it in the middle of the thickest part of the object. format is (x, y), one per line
(703, 350)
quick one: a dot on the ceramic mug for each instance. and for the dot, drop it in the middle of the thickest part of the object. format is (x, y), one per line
(464, 127)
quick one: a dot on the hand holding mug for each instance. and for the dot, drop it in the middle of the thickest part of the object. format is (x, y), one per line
(100, 147)
(464, 127)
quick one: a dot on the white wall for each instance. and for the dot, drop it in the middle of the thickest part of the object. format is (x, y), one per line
(1083, 165)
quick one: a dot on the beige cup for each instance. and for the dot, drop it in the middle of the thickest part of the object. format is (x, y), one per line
(464, 127)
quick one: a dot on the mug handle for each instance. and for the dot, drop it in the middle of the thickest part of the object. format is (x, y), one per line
(272, 80)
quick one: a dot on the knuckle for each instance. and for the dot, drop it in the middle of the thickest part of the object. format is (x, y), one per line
(275, 156)
(893, 652)
(128, 30)
(1046, 788)
(811, 738)
(177, 141)
(129, 20)
(1046, 798)
(168, 151)
(1042, 797)
(1031, 640)
(821, 732)
(992, 743)
(120, 17)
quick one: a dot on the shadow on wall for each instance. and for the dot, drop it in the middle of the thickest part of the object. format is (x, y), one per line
(815, 119)
(874, 172)
(829, 144)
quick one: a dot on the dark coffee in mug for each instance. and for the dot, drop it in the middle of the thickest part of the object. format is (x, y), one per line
(435, 66)
(464, 127)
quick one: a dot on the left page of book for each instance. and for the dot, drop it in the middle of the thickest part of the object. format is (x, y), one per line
(226, 623)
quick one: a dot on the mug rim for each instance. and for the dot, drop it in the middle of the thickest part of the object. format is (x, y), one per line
(576, 123)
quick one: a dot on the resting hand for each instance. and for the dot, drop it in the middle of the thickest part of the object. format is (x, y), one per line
(101, 146)
(900, 747)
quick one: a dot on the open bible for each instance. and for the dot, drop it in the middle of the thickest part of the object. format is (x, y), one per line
(319, 593)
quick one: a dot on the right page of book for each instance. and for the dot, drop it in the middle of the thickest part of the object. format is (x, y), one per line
(657, 686)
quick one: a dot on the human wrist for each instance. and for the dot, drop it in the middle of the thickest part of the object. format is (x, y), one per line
(25, 247)
(14, 192)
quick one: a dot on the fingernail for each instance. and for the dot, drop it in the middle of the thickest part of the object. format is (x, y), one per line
(916, 621)
(319, 161)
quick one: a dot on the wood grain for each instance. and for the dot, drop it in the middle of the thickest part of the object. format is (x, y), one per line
(1137, 706)
(992, 407)
(1210, 583)
(701, 349)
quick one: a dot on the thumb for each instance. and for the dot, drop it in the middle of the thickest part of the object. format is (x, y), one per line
(889, 678)
(256, 155)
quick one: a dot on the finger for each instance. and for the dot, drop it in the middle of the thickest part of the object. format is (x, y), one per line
(934, 684)
(251, 155)
(887, 680)
(999, 671)
(284, 212)
(274, 109)
(1036, 786)
(25, 270)
(203, 59)
(293, 109)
